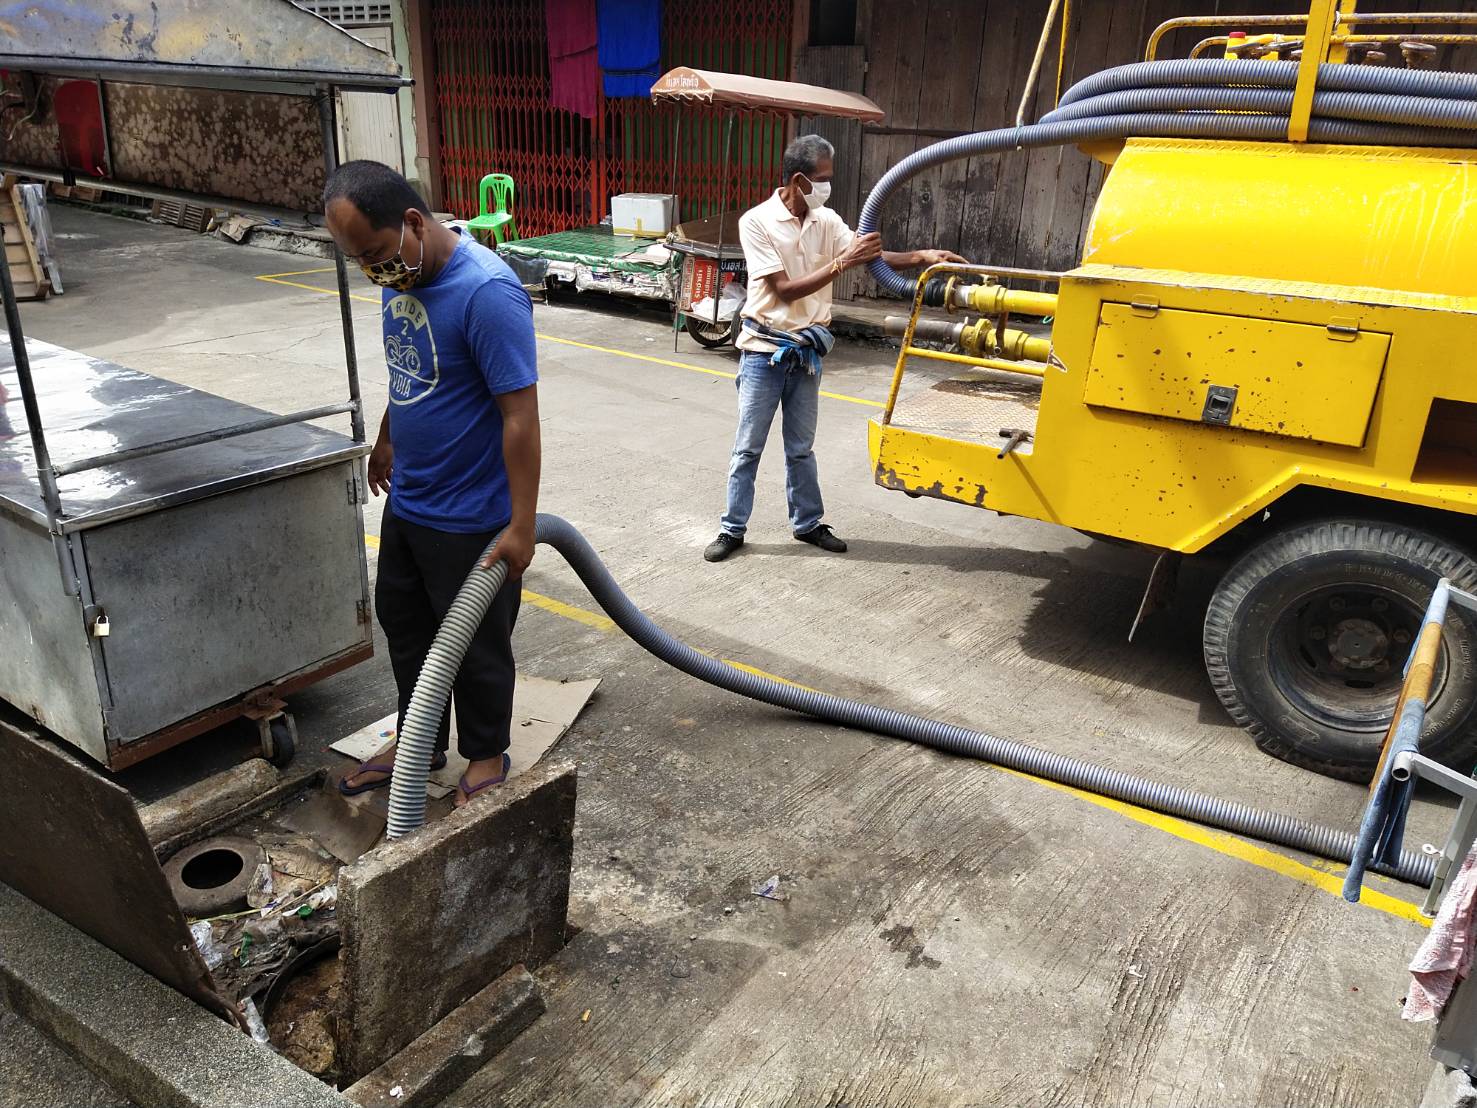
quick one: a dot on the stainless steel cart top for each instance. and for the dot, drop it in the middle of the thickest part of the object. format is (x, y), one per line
(94, 407)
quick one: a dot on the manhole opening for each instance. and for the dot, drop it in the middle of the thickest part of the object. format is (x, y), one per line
(212, 869)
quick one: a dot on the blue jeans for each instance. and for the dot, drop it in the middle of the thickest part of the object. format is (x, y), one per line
(762, 388)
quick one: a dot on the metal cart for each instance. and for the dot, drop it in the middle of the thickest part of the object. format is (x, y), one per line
(711, 255)
(170, 559)
(709, 269)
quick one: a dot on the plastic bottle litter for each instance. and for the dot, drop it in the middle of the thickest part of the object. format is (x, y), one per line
(259, 892)
(254, 1021)
(204, 936)
(265, 932)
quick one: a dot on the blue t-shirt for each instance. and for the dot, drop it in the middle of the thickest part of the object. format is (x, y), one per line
(452, 347)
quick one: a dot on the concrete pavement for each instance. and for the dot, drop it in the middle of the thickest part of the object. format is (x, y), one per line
(953, 934)
(35, 1071)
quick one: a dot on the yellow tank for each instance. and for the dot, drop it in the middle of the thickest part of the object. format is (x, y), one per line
(1264, 353)
(1374, 217)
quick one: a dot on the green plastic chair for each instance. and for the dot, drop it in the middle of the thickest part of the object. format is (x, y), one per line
(499, 222)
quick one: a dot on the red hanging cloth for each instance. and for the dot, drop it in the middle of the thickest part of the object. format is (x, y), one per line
(574, 66)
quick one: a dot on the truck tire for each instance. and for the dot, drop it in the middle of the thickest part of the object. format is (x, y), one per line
(1307, 635)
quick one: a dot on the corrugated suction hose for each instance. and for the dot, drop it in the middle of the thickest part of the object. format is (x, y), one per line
(1215, 99)
(417, 737)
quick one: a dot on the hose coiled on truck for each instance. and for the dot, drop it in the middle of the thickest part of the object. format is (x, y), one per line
(1214, 99)
(417, 737)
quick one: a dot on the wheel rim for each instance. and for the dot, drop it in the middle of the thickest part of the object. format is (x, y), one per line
(708, 329)
(1337, 653)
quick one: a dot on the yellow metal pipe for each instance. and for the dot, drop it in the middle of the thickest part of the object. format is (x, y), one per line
(902, 355)
(978, 339)
(997, 300)
(1338, 52)
(1337, 42)
(1440, 19)
(983, 363)
(1315, 51)
(983, 340)
(1435, 38)
(1152, 50)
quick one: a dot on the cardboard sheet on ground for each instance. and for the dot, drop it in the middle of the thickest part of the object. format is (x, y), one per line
(344, 829)
(542, 711)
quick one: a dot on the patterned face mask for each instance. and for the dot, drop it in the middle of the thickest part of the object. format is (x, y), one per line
(393, 273)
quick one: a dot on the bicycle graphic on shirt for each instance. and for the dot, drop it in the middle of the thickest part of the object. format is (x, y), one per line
(409, 380)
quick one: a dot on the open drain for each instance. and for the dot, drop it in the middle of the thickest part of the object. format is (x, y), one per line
(212, 869)
(212, 876)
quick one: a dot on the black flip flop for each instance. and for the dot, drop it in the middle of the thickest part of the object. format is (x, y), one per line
(470, 791)
(437, 762)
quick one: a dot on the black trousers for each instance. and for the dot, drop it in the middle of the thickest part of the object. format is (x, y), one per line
(420, 571)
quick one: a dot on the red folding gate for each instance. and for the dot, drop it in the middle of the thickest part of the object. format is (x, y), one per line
(491, 85)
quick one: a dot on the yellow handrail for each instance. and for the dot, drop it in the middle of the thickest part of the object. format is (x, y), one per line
(1024, 368)
(908, 350)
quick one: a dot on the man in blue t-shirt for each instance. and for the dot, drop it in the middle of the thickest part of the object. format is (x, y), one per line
(457, 452)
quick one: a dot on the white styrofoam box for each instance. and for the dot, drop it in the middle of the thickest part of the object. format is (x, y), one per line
(644, 214)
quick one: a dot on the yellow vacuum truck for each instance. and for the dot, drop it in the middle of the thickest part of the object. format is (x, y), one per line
(1264, 358)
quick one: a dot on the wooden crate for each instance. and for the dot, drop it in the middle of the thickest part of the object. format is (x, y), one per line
(192, 217)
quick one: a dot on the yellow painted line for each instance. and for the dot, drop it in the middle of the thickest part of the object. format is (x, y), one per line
(693, 368)
(597, 620)
(314, 288)
(277, 279)
(296, 273)
(1317, 873)
(638, 357)
(1224, 843)
(763, 673)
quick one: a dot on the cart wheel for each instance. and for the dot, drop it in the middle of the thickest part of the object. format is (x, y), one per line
(1307, 635)
(279, 740)
(711, 334)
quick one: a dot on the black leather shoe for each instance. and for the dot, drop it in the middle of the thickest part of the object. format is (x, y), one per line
(821, 536)
(721, 547)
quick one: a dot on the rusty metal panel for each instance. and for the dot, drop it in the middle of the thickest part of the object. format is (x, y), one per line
(260, 148)
(37, 141)
(190, 40)
(71, 840)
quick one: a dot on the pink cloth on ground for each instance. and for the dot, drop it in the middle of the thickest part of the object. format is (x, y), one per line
(574, 64)
(1445, 958)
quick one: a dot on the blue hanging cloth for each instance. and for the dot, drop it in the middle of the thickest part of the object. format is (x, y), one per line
(630, 45)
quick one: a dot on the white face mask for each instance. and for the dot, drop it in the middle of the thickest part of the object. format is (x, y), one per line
(820, 192)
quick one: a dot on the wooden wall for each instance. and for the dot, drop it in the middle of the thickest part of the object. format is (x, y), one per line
(942, 67)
